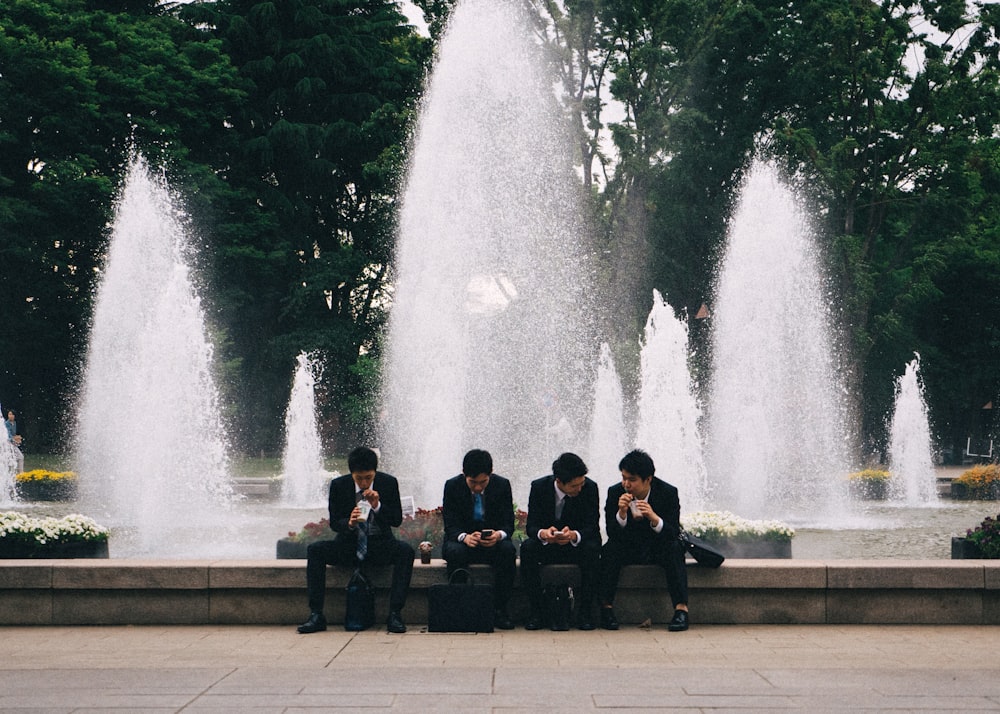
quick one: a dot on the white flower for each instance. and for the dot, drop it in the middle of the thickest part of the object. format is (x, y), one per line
(723, 524)
(71, 528)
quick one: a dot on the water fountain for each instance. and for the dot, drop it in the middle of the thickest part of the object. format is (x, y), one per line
(608, 440)
(490, 341)
(776, 441)
(150, 447)
(910, 460)
(302, 473)
(668, 411)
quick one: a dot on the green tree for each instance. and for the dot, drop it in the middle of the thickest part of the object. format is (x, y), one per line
(330, 92)
(80, 82)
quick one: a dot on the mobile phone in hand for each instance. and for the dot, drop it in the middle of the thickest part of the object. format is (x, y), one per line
(485, 534)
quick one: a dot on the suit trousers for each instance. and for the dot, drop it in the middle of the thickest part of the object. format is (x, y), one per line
(502, 557)
(535, 554)
(343, 551)
(668, 553)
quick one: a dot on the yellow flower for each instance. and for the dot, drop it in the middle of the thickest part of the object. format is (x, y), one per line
(43, 475)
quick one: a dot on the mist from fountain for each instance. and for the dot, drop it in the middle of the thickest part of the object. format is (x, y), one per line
(150, 445)
(669, 412)
(490, 341)
(910, 460)
(302, 474)
(776, 437)
(608, 440)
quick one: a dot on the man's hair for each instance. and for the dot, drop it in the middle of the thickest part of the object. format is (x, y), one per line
(362, 459)
(638, 462)
(568, 467)
(477, 462)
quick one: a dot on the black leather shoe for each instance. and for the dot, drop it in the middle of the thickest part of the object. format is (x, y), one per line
(395, 623)
(315, 623)
(534, 622)
(585, 623)
(502, 621)
(679, 623)
(608, 620)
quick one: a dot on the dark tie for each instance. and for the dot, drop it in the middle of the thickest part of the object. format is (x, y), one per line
(362, 535)
(560, 502)
(477, 506)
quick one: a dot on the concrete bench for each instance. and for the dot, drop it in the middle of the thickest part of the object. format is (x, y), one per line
(74, 592)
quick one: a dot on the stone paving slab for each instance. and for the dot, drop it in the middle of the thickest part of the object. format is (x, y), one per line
(747, 668)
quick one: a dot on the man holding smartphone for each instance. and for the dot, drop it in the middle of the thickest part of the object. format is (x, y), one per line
(478, 513)
(563, 516)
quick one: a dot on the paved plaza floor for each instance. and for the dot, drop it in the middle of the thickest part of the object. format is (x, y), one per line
(716, 668)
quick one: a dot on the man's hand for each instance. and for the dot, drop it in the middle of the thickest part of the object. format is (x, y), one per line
(355, 518)
(548, 535)
(371, 496)
(646, 511)
(565, 536)
(472, 539)
(489, 542)
(623, 502)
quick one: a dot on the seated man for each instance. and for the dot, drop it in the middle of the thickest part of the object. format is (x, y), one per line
(563, 513)
(376, 544)
(642, 517)
(478, 515)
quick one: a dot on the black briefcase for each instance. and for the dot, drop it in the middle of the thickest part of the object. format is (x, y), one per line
(360, 611)
(456, 606)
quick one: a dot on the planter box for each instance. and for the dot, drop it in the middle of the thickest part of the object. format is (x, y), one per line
(753, 549)
(288, 549)
(961, 492)
(869, 490)
(965, 549)
(21, 551)
(46, 490)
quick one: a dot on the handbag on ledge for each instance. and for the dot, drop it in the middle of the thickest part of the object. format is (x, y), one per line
(702, 552)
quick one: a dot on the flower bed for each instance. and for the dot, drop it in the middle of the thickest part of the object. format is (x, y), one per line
(73, 536)
(981, 542)
(42, 485)
(869, 485)
(738, 537)
(980, 483)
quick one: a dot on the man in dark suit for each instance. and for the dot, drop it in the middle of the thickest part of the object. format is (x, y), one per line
(478, 524)
(563, 513)
(642, 518)
(364, 508)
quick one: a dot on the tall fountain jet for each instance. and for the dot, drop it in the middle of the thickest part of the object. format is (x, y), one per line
(910, 460)
(150, 445)
(669, 413)
(302, 463)
(489, 342)
(777, 446)
(608, 432)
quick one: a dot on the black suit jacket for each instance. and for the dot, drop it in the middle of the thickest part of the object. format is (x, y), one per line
(457, 511)
(581, 512)
(662, 498)
(342, 502)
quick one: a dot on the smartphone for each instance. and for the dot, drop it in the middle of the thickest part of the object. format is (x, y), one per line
(485, 534)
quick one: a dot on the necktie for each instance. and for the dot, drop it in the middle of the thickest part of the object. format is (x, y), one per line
(477, 507)
(362, 536)
(560, 502)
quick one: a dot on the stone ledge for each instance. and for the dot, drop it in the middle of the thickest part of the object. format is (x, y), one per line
(273, 592)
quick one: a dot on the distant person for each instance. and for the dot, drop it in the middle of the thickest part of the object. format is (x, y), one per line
(380, 492)
(478, 515)
(14, 438)
(642, 519)
(563, 527)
